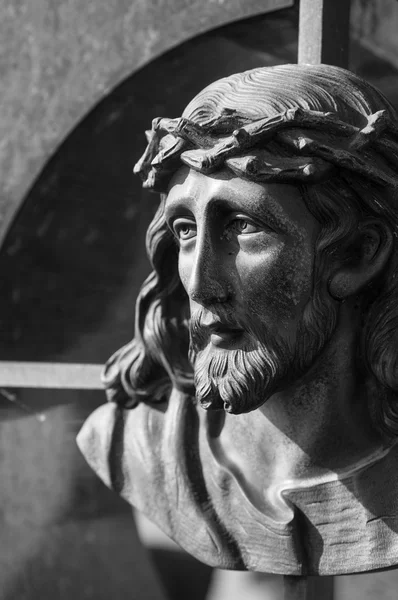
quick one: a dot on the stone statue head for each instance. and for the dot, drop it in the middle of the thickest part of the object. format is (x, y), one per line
(272, 304)
(316, 140)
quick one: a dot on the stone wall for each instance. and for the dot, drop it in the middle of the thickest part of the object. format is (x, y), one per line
(375, 24)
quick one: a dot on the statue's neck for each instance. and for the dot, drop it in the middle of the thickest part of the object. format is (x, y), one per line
(318, 426)
(322, 421)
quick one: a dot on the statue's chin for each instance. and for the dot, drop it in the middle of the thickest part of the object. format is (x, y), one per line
(237, 381)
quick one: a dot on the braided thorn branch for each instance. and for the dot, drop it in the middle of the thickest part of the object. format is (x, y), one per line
(265, 167)
(339, 157)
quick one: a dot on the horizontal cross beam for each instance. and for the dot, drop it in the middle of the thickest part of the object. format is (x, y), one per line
(50, 375)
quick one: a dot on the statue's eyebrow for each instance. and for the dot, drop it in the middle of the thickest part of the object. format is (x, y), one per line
(268, 209)
(261, 211)
(279, 224)
(176, 207)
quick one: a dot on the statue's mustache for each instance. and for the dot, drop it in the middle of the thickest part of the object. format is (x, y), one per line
(206, 321)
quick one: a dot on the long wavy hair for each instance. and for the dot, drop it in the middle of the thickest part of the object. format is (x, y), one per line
(323, 129)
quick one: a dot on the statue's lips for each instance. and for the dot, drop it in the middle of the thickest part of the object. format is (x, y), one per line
(225, 336)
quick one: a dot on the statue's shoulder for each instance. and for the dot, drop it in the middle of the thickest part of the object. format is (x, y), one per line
(113, 437)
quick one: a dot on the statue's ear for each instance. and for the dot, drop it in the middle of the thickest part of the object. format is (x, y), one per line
(364, 261)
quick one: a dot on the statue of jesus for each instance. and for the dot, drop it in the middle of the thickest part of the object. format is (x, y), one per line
(254, 416)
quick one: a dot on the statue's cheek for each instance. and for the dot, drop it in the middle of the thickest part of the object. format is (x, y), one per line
(277, 284)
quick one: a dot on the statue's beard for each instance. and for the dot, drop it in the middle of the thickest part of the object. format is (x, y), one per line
(240, 380)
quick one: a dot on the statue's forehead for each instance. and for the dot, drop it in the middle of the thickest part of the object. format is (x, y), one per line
(196, 191)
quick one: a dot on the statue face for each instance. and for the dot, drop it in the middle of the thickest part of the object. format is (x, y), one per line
(246, 261)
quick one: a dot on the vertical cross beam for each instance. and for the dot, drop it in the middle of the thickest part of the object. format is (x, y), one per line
(295, 588)
(324, 28)
(324, 32)
(308, 588)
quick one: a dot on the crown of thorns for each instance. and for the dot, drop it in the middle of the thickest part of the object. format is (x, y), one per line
(315, 144)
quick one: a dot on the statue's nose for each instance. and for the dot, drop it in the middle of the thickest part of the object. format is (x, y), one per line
(208, 279)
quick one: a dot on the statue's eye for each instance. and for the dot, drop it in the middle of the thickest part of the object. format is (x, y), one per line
(243, 226)
(184, 229)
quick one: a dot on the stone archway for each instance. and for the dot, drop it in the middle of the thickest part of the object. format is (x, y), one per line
(60, 58)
